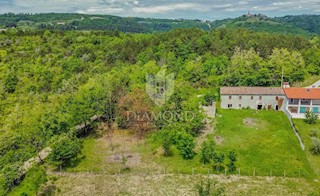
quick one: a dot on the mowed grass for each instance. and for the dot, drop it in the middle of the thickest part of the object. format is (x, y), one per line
(264, 142)
(304, 130)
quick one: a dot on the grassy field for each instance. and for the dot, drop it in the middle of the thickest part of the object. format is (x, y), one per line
(264, 142)
(99, 184)
(309, 81)
(304, 130)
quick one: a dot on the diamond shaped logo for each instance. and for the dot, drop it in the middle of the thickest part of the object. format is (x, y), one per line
(160, 87)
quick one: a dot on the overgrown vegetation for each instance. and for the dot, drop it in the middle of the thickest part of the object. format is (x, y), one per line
(209, 188)
(31, 183)
(57, 83)
(311, 117)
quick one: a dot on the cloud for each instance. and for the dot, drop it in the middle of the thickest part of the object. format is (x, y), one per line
(202, 9)
(107, 10)
(169, 8)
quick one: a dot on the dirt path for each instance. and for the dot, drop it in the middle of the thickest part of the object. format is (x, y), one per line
(314, 85)
(208, 129)
(35, 160)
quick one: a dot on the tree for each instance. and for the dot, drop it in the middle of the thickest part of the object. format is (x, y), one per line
(292, 62)
(64, 151)
(311, 117)
(218, 159)
(185, 144)
(166, 145)
(232, 159)
(135, 109)
(207, 152)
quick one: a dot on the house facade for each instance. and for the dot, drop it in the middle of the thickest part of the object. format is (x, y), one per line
(301, 100)
(258, 98)
(295, 102)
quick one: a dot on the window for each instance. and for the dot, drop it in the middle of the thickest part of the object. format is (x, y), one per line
(240, 105)
(251, 97)
(260, 97)
(229, 105)
(230, 97)
(240, 97)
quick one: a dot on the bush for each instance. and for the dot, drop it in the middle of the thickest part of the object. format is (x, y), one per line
(209, 188)
(166, 145)
(311, 118)
(232, 160)
(314, 133)
(64, 151)
(207, 152)
(315, 146)
(185, 144)
(34, 178)
(218, 159)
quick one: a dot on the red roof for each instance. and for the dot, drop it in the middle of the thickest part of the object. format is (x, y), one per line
(302, 93)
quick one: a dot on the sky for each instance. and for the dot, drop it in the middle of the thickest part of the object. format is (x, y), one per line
(173, 9)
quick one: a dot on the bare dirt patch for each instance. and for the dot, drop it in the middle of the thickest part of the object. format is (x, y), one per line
(218, 140)
(132, 159)
(250, 122)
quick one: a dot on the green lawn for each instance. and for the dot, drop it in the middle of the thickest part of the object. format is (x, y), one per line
(265, 142)
(304, 130)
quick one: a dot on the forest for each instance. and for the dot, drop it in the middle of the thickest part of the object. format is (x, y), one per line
(305, 25)
(52, 81)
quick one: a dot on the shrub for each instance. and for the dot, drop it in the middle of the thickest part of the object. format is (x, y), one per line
(315, 146)
(185, 144)
(218, 159)
(207, 152)
(232, 159)
(311, 118)
(166, 145)
(64, 151)
(34, 178)
(314, 133)
(209, 188)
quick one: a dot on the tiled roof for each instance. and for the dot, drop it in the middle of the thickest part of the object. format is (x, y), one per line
(251, 91)
(302, 93)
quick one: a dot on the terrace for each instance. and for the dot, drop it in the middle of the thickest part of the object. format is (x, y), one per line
(302, 100)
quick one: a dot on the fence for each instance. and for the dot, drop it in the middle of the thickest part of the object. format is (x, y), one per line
(289, 173)
(294, 128)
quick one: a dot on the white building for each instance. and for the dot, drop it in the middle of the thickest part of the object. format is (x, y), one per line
(252, 97)
(295, 102)
(301, 100)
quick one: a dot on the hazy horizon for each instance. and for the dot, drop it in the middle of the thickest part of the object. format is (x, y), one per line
(203, 9)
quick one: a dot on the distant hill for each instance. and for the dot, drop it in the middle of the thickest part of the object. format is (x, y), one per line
(259, 22)
(57, 21)
(310, 23)
(305, 25)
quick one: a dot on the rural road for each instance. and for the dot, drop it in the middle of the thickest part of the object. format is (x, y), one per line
(314, 85)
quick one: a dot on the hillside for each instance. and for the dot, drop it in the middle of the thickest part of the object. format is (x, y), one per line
(70, 21)
(262, 23)
(310, 23)
(52, 84)
(298, 25)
